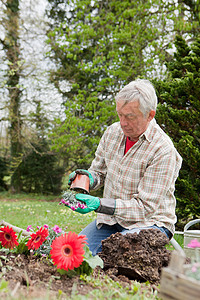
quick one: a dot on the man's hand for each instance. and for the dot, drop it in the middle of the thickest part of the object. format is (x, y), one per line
(72, 176)
(92, 203)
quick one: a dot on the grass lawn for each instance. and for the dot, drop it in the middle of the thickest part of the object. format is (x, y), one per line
(23, 210)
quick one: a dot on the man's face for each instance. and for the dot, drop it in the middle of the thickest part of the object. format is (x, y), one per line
(132, 121)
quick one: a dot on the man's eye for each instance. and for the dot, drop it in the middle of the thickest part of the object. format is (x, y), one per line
(130, 117)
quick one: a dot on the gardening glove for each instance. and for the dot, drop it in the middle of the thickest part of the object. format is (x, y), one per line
(100, 205)
(92, 203)
(72, 176)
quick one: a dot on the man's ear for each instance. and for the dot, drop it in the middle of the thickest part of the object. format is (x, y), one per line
(151, 115)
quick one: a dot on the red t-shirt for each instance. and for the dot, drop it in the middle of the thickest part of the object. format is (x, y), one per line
(129, 144)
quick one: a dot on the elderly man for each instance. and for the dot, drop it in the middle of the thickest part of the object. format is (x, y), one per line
(138, 165)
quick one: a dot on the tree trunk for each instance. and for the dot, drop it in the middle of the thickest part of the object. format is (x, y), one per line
(11, 47)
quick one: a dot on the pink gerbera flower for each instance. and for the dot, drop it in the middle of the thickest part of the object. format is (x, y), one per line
(38, 238)
(67, 251)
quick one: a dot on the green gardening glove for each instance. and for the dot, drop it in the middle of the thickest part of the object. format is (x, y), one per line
(92, 203)
(72, 176)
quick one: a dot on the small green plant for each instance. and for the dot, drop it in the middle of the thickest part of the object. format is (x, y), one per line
(22, 247)
(69, 199)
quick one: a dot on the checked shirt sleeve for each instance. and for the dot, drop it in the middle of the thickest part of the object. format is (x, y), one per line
(98, 167)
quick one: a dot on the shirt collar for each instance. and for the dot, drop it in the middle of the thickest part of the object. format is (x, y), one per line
(148, 132)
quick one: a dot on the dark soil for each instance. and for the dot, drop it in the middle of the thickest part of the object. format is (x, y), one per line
(137, 256)
(39, 275)
(132, 257)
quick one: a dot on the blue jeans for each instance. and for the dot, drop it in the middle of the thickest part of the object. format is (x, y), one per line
(95, 236)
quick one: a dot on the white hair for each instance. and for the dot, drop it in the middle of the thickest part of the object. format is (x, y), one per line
(140, 90)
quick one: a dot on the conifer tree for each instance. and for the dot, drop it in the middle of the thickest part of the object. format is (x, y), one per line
(179, 114)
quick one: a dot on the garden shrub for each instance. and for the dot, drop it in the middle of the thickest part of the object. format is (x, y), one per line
(40, 171)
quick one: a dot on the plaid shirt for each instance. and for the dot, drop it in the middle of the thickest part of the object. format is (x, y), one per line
(142, 181)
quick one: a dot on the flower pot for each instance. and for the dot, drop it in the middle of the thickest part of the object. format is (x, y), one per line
(81, 184)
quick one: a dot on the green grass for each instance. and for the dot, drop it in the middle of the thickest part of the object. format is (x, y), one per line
(24, 196)
(180, 239)
(37, 212)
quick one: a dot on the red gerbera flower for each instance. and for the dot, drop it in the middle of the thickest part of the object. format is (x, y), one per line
(67, 250)
(38, 238)
(8, 237)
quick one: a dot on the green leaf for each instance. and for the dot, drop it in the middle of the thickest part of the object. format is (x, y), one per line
(93, 261)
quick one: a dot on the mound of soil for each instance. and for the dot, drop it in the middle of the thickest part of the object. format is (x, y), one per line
(137, 256)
